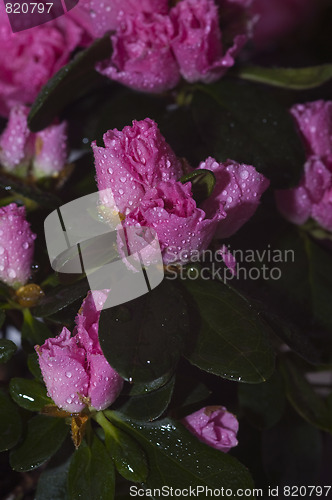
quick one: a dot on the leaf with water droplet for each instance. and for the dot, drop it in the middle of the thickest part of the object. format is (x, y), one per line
(29, 394)
(7, 349)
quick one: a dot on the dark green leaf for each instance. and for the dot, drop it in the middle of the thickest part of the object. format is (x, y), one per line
(60, 297)
(231, 339)
(291, 78)
(264, 403)
(202, 183)
(44, 437)
(128, 456)
(143, 340)
(245, 122)
(304, 399)
(69, 83)
(52, 483)
(2, 317)
(10, 423)
(292, 452)
(149, 406)
(7, 349)
(34, 330)
(29, 394)
(30, 191)
(179, 459)
(33, 365)
(91, 473)
(143, 388)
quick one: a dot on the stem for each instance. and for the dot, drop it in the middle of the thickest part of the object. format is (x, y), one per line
(108, 428)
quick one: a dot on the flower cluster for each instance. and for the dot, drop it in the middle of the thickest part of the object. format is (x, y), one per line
(153, 46)
(16, 246)
(74, 369)
(45, 152)
(143, 173)
(313, 196)
(28, 59)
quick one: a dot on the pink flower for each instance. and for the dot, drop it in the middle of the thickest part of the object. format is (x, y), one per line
(314, 120)
(181, 227)
(74, 368)
(28, 59)
(98, 17)
(142, 57)
(134, 160)
(16, 246)
(312, 198)
(215, 426)
(197, 43)
(238, 189)
(46, 151)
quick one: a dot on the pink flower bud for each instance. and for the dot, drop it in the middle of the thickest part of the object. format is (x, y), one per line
(50, 150)
(181, 227)
(197, 43)
(238, 189)
(311, 198)
(98, 17)
(74, 367)
(314, 120)
(16, 141)
(132, 161)
(28, 59)
(215, 426)
(16, 246)
(46, 151)
(142, 57)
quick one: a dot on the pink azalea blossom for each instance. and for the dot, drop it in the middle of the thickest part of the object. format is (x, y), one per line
(132, 161)
(16, 246)
(312, 198)
(314, 120)
(28, 59)
(45, 151)
(142, 57)
(99, 17)
(215, 426)
(197, 43)
(182, 228)
(74, 368)
(238, 189)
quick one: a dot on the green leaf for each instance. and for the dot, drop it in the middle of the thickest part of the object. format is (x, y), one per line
(292, 452)
(179, 459)
(290, 78)
(202, 183)
(10, 423)
(33, 365)
(230, 338)
(128, 456)
(263, 404)
(7, 349)
(2, 317)
(34, 330)
(143, 340)
(60, 297)
(246, 122)
(29, 394)
(30, 191)
(312, 407)
(52, 483)
(91, 473)
(69, 83)
(148, 406)
(44, 437)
